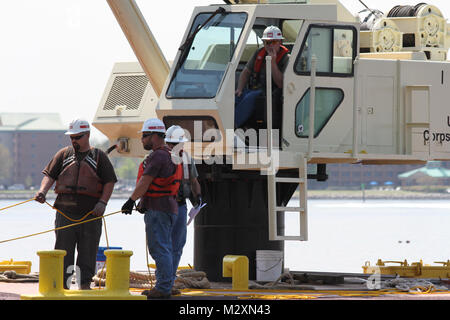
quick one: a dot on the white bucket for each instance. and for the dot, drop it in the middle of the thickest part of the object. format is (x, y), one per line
(268, 265)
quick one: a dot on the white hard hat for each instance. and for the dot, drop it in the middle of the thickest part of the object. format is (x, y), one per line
(78, 126)
(175, 134)
(272, 33)
(153, 125)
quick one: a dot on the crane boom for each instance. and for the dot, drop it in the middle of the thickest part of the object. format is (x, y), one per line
(142, 41)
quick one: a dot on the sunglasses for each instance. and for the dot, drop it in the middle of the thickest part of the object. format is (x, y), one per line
(145, 135)
(270, 41)
(77, 137)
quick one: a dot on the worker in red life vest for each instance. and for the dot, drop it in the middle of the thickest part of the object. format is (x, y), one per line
(85, 180)
(157, 185)
(254, 75)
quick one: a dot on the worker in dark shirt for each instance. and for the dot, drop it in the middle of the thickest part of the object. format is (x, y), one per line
(85, 180)
(157, 186)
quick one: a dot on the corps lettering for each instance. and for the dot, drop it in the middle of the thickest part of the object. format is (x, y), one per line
(436, 136)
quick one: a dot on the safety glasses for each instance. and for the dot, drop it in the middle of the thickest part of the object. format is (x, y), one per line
(145, 135)
(269, 42)
(77, 137)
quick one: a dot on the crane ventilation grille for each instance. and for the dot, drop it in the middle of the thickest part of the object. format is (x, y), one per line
(127, 91)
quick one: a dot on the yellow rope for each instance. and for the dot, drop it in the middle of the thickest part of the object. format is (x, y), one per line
(106, 232)
(73, 220)
(107, 246)
(70, 219)
(60, 228)
(17, 204)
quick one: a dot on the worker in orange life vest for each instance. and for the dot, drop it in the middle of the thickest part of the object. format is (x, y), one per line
(157, 186)
(254, 75)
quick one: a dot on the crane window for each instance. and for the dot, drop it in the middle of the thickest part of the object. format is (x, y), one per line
(334, 48)
(208, 50)
(327, 100)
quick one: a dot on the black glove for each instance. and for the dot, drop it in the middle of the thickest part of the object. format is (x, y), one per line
(127, 207)
(198, 201)
(140, 207)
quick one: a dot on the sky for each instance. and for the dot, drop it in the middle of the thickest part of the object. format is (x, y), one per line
(57, 55)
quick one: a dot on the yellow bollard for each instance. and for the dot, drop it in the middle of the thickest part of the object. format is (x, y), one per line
(236, 267)
(118, 271)
(51, 265)
(51, 279)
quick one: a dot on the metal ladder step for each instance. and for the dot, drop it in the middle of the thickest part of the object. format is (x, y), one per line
(291, 209)
(290, 180)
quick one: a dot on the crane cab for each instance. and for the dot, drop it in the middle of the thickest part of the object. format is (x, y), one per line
(199, 94)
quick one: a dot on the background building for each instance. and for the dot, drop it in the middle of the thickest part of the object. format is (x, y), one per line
(432, 174)
(27, 143)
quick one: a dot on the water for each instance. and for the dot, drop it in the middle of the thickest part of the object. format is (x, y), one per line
(343, 234)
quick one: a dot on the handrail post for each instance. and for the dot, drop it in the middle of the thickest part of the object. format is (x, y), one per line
(355, 150)
(312, 102)
(269, 105)
(271, 199)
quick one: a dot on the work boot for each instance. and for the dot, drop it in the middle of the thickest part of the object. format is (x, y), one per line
(155, 294)
(175, 291)
(85, 286)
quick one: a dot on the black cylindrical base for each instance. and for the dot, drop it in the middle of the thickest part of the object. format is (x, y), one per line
(235, 220)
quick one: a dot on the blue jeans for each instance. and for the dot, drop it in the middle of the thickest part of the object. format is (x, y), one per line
(158, 226)
(245, 106)
(179, 232)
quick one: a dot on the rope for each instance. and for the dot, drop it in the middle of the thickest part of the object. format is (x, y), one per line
(65, 216)
(107, 246)
(138, 280)
(76, 221)
(60, 228)
(17, 204)
(189, 278)
(13, 276)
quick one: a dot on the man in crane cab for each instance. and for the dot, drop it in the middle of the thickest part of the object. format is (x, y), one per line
(157, 185)
(85, 180)
(254, 75)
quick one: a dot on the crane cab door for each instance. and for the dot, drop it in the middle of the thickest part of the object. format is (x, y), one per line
(335, 47)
